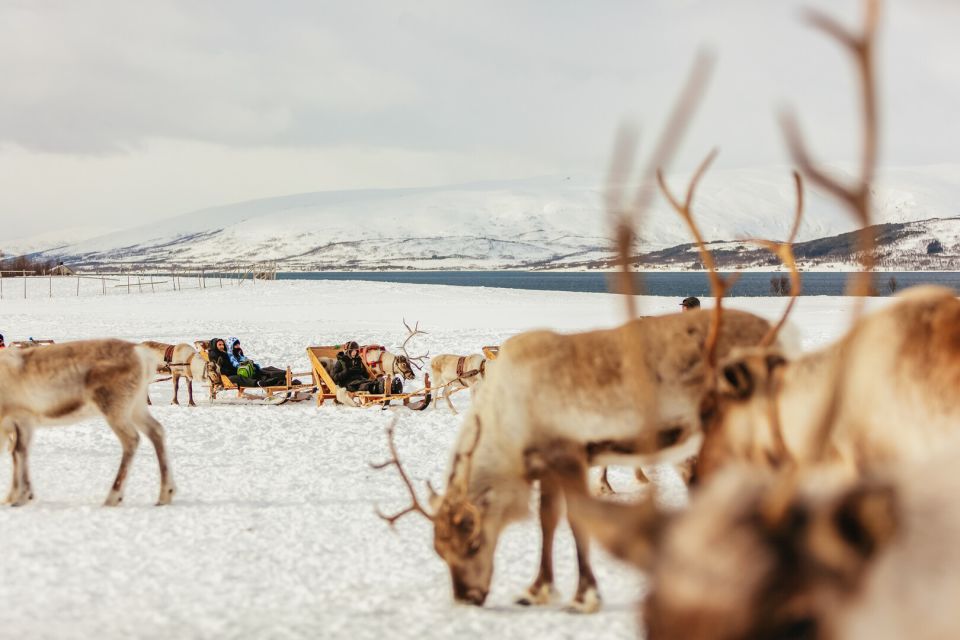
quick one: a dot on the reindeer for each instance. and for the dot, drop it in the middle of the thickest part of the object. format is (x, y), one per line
(380, 362)
(180, 361)
(767, 555)
(894, 400)
(629, 395)
(451, 373)
(63, 383)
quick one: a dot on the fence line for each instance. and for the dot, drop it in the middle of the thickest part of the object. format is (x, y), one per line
(130, 280)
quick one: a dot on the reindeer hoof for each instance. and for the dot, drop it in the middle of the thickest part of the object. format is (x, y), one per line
(537, 595)
(193, 404)
(586, 602)
(166, 496)
(113, 500)
(606, 490)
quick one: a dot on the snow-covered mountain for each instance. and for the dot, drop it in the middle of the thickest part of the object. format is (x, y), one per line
(544, 222)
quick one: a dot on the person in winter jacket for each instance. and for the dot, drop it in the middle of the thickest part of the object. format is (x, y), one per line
(228, 356)
(349, 372)
(217, 354)
(2, 343)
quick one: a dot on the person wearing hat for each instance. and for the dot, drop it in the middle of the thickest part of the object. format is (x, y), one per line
(691, 303)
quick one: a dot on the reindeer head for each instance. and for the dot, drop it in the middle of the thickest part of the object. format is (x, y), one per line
(464, 536)
(740, 415)
(764, 556)
(401, 365)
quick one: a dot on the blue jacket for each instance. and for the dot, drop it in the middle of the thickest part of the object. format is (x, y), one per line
(234, 360)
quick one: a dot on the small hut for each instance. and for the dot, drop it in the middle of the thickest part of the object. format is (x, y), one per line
(61, 270)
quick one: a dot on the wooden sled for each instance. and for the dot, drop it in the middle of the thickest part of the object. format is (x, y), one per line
(490, 352)
(273, 395)
(327, 389)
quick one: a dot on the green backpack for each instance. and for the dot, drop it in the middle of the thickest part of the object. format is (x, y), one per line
(247, 369)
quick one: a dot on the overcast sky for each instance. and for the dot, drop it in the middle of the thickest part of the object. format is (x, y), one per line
(115, 113)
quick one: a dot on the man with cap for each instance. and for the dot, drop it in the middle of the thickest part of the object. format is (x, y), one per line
(691, 303)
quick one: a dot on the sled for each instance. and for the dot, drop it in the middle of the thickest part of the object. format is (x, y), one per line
(273, 395)
(490, 352)
(327, 389)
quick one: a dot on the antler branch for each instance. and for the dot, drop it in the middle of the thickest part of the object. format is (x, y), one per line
(628, 217)
(411, 333)
(856, 197)
(718, 285)
(415, 506)
(784, 251)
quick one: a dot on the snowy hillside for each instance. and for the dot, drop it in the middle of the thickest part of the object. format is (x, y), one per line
(544, 222)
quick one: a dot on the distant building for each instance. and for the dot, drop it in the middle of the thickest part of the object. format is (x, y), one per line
(61, 270)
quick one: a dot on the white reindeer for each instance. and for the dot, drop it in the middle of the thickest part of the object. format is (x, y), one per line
(63, 383)
(450, 373)
(180, 361)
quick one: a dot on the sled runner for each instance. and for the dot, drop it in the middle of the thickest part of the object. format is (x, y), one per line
(30, 343)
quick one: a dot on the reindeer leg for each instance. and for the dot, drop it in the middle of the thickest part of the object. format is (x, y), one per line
(640, 476)
(446, 396)
(11, 441)
(685, 469)
(129, 440)
(542, 590)
(587, 599)
(605, 488)
(154, 431)
(190, 391)
(176, 389)
(22, 494)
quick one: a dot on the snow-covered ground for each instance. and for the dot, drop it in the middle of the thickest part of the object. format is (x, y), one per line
(273, 532)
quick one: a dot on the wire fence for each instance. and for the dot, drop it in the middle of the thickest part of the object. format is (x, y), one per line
(123, 281)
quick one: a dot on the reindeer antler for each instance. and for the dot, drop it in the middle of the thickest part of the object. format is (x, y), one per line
(465, 457)
(627, 217)
(856, 197)
(784, 251)
(416, 361)
(415, 506)
(718, 284)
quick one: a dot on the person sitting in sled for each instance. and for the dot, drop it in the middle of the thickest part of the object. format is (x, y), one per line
(348, 372)
(229, 357)
(2, 343)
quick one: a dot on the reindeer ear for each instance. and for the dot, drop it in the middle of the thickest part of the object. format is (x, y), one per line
(867, 518)
(736, 380)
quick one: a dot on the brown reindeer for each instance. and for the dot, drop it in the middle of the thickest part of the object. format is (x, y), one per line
(63, 383)
(760, 555)
(629, 395)
(180, 361)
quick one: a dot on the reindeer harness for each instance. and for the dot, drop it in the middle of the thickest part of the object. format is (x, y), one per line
(461, 363)
(373, 366)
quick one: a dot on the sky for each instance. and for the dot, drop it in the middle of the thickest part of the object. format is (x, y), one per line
(118, 113)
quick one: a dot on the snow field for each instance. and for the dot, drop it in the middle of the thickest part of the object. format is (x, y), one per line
(273, 532)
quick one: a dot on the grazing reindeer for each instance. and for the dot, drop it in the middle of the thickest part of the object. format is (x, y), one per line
(628, 395)
(62, 383)
(181, 361)
(450, 373)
